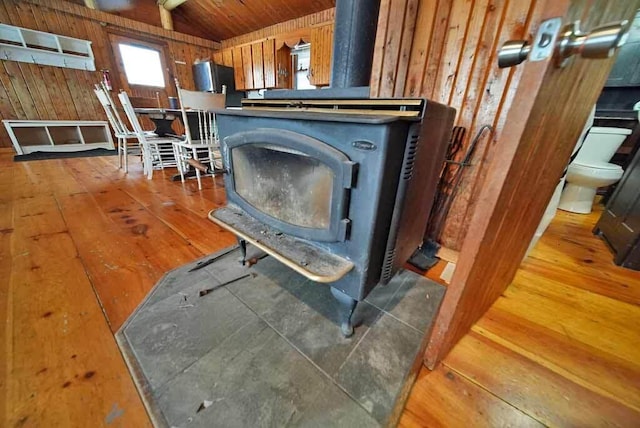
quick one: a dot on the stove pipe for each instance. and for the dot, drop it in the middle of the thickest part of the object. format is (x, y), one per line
(354, 38)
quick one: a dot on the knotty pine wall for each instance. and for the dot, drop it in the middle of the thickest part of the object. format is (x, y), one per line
(445, 50)
(36, 92)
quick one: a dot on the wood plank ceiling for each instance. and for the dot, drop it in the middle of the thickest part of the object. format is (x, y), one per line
(222, 19)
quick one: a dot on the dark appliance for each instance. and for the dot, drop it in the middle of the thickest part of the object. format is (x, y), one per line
(619, 224)
(210, 77)
(333, 184)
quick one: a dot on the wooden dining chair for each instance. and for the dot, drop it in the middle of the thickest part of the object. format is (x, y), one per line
(206, 147)
(120, 130)
(157, 152)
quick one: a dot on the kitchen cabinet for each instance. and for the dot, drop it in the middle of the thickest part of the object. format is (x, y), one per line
(224, 57)
(321, 51)
(247, 67)
(254, 65)
(258, 65)
(238, 70)
(269, 63)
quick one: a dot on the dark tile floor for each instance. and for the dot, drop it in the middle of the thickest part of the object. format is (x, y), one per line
(267, 350)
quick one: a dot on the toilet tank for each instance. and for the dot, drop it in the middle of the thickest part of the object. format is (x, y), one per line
(601, 144)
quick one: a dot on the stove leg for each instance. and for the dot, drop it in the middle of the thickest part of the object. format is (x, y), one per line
(347, 306)
(243, 250)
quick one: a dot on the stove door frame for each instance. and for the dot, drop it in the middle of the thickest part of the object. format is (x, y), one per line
(343, 168)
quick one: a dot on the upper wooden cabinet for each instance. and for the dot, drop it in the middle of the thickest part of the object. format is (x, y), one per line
(254, 65)
(224, 57)
(238, 69)
(269, 63)
(321, 51)
(261, 65)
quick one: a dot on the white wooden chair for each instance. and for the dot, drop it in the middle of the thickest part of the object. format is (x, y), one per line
(122, 133)
(157, 152)
(205, 149)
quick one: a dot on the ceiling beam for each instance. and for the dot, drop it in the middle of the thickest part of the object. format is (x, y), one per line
(165, 18)
(169, 4)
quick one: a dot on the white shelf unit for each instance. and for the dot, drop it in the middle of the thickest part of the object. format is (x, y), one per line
(30, 136)
(37, 47)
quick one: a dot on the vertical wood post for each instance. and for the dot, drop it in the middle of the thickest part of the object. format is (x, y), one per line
(165, 18)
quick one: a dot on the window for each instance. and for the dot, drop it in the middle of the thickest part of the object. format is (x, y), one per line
(142, 65)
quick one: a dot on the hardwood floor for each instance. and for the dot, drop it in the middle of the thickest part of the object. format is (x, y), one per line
(561, 347)
(81, 244)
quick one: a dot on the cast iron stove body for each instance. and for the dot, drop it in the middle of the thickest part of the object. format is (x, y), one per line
(338, 190)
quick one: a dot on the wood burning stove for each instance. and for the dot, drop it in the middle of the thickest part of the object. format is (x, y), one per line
(333, 184)
(339, 190)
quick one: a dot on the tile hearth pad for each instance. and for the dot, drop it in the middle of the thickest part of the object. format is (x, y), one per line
(266, 350)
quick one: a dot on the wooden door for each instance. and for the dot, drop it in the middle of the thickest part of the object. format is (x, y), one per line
(238, 70)
(321, 51)
(258, 65)
(549, 109)
(269, 62)
(620, 222)
(247, 67)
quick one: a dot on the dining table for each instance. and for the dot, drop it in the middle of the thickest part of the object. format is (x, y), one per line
(162, 118)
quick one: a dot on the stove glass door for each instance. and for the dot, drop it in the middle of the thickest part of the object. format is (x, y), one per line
(290, 181)
(284, 183)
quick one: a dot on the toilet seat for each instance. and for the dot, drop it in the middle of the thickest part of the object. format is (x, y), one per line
(596, 165)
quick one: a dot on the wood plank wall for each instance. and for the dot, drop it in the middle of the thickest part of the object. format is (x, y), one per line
(445, 50)
(282, 29)
(35, 92)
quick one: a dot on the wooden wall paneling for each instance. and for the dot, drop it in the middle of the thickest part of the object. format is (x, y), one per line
(486, 102)
(247, 67)
(417, 60)
(83, 79)
(453, 51)
(258, 65)
(58, 109)
(405, 47)
(392, 48)
(515, 195)
(470, 52)
(238, 69)
(56, 83)
(269, 60)
(379, 49)
(73, 81)
(32, 73)
(436, 48)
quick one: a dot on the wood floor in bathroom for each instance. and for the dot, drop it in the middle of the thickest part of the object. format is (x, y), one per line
(81, 244)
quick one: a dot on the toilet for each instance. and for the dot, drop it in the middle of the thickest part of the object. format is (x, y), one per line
(591, 168)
